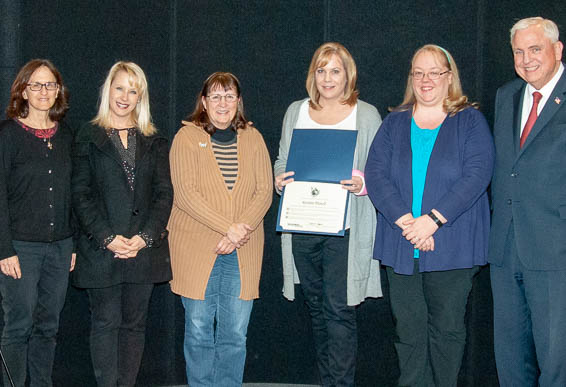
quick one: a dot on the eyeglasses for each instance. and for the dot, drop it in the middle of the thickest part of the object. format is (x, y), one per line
(230, 98)
(36, 86)
(433, 75)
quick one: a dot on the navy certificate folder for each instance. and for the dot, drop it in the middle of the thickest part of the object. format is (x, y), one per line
(320, 155)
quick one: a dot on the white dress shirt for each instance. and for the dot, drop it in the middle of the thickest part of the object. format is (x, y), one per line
(546, 92)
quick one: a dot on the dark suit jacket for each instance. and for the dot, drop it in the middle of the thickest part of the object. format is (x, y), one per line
(529, 184)
(105, 205)
(459, 171)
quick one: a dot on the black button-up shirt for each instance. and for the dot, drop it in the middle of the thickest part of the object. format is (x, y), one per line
(35, 186)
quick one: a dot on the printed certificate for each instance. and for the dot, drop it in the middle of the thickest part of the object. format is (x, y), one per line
(316, 202)
(314, 207)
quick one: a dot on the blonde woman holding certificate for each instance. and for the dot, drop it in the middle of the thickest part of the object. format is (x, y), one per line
(336, 273)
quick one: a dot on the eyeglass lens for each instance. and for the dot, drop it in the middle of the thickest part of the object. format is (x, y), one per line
(36, 86)
(227, 97)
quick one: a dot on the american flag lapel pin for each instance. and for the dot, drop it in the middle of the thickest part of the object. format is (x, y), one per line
(557, 100)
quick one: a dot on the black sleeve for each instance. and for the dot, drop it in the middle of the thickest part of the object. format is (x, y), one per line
(6, 247)
(162, 195)
(85, 194)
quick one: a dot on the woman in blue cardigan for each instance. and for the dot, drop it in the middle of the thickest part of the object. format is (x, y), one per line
(427, 173)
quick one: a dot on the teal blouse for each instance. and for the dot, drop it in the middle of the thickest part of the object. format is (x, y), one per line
(422, 142)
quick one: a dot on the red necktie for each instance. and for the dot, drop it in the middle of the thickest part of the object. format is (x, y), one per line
(532, 118)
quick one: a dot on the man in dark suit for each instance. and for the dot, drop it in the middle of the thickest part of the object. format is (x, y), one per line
(528, 236)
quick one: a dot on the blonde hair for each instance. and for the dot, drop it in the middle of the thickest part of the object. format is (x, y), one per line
(141, 115)
(321, 58)
(456, 101)
(548, 26)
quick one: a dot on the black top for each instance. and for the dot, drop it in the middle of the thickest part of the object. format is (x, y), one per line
(128, 155)
(224, 136)
(35, 186)
(105, 205)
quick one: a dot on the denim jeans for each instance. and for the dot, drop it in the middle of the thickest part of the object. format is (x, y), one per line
(117, 337)
(322, 264)
(32, 305)
(216, 353)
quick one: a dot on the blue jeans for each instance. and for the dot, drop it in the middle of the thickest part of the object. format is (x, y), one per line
(215, 353)
(32, 305)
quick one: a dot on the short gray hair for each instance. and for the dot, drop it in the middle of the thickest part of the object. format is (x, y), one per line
(548, 26)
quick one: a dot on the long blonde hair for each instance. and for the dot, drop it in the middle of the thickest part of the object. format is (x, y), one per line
(456, 101)
(141, 115)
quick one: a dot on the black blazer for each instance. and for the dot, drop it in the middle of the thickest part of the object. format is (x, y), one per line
(529, 184)
(105, 205)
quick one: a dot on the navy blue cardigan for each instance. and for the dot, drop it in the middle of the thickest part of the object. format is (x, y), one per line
(459, 171)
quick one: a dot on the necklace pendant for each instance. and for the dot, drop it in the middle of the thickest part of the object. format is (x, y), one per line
(49, 145)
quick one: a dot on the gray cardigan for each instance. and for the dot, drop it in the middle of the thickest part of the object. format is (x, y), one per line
(363, 270)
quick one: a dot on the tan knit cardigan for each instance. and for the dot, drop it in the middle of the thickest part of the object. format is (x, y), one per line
(204, 209)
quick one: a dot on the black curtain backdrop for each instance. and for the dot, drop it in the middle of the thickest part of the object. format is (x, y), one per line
(268, 45)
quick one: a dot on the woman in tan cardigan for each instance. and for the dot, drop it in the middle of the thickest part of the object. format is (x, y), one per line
(221, 175)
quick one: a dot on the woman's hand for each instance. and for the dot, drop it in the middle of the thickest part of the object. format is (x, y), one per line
(353, 185)
(282, 180)
(119, 247)
(11, 267)
(136, 243)
(239, 234)
(73, 260)
(418, 230)
(401, 222)
(224, 246)
(428, 245)
(404, 222)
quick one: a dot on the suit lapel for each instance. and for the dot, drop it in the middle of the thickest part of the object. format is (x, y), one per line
(142, 145)
(517, 114)
(554, 103)
(103, 143)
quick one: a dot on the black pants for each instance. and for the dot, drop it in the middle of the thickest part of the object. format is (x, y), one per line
(117, 336)
(32, 305)
(322, 264)
(429, 310)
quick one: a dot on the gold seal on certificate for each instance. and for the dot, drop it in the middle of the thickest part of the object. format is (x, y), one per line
(313, 207)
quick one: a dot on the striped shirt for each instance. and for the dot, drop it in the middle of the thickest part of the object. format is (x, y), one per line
(226, 154)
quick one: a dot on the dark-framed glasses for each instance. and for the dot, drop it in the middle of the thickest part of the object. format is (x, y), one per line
(230, 98)
(432, 75)
(36, 86)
